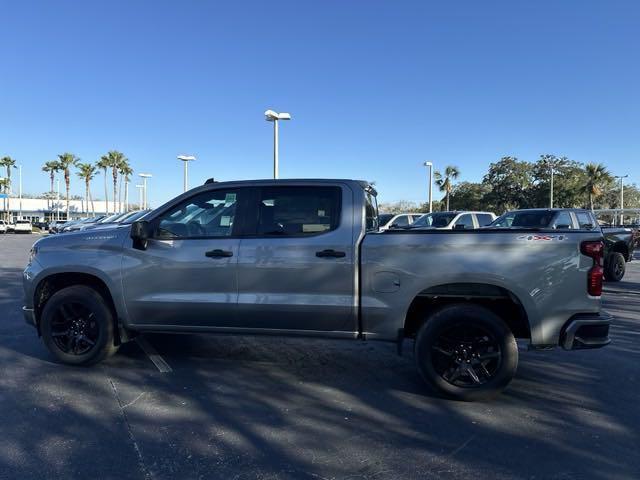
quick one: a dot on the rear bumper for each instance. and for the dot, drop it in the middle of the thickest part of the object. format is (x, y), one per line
(590, 330)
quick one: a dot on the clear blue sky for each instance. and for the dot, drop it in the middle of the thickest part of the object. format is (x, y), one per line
(375, 88)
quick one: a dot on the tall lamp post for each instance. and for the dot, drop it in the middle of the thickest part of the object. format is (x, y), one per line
(271, 116)
(144, 177)
(429, 165)
(140, 188)
(20, 188)
(186, 159)
(621, 177)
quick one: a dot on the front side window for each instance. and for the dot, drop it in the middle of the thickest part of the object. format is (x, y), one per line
(401, 221)
(586, 221)
(298, 211)
(208, 214)
(465, 221)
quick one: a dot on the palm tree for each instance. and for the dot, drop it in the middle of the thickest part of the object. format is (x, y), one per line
(87, 172)
(4, 185)
(124, 165)
(67, 160)
(8, 163)
(115, 160)
(445, 181)
(126, 171)
(597, 174)
(103, 164)
(51, 168)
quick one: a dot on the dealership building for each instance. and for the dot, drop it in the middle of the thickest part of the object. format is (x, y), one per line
(46, 210)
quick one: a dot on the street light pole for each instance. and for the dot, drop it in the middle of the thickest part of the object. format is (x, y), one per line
(551, 196)
(430, 166)
(271, 116)
(57, 199)
(140, 205)
(20, 188)
(144, 177)
(186, 159)
(622, 177)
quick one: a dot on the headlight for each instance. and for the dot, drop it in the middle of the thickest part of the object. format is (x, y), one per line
(32, 254)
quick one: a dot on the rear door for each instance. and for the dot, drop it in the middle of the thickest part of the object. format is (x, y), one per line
(296, 269)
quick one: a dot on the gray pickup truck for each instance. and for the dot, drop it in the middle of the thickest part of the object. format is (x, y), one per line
(306, 257)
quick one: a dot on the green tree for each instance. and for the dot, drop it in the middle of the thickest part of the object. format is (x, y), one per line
(125, 172)
(469, 196)
(51, 168)
(87, 172)
(569, 177)
(444, 181)
(115, 160)
(4, 188)
(509, 181)
(597, 178)
(66, 161)
(104, 164)
(8, 163)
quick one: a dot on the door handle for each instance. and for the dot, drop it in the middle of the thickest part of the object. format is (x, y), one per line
(217, 253)
(330, 253)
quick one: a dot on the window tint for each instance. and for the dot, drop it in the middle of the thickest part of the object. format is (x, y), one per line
(401, 221)
(563, 221)
(465, 220)
(585, 221)
(298, 210)
(434, 220)
(209, 214)
(484, 219)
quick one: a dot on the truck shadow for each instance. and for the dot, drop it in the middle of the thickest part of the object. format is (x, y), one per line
(247, 407)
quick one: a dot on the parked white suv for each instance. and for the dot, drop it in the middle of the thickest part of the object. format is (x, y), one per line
(401, 220)
(23, 226)
(454, 220)
(3, 226)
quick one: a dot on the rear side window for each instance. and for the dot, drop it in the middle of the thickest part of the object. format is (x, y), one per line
(298, 211)
(563, 221)
(373, 221)
(484, 219)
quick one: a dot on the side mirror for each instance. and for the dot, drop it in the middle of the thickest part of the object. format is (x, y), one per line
(140, 233)
(563, 227)
(459, 227)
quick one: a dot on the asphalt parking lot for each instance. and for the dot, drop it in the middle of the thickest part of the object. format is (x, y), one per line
(270, 408)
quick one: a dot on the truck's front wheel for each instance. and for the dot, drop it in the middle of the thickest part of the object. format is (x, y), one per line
(77, 326)
(466, 352)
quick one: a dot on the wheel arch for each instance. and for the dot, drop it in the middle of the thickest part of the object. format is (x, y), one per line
(621, 247)
(500, 300)
(55, 282)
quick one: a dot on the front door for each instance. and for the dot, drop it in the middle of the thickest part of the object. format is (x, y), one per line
(296, 266)
(187, 276)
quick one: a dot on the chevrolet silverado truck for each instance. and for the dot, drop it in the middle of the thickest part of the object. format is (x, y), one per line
(306, 257)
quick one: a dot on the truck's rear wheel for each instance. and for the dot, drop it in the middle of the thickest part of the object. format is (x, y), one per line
(616, 266)
(466, 352)
(77, 326)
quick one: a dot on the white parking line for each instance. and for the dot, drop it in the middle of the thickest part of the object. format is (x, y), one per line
(153, 355)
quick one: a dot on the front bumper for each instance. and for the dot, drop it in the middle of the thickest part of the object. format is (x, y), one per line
(590, 330)
(29, 316)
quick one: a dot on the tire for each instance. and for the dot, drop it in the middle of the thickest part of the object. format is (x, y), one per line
(463, 338)
(71, 320)
(616, 266)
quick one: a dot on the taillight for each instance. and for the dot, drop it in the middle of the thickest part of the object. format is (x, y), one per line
(594, 250)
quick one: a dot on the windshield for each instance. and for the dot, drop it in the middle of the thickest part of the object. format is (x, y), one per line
(112, 218)
(134, 216)
(435, 220)
(524, 219)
